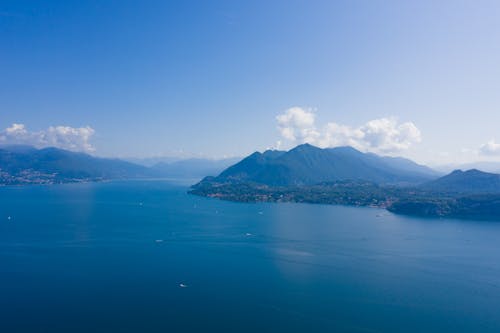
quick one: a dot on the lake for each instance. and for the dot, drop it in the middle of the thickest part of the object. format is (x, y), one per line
(144, 256)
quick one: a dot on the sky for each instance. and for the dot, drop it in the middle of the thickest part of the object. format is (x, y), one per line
(419, 79)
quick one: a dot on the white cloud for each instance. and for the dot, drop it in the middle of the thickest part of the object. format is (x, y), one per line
(297, 124)
(490, 148)
(16, 130)
(384, 135)
(335, 135)
(65, 137)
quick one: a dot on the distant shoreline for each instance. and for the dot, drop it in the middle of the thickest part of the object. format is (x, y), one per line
(409, 201)
(185, 181)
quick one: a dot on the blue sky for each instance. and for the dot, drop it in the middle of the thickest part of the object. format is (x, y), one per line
(145, 78)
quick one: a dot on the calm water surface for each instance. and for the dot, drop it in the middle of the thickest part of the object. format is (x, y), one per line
(111, 257)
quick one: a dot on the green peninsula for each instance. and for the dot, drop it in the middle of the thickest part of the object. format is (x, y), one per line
(345, 176)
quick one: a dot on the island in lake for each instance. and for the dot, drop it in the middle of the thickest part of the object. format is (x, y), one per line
(346, 176)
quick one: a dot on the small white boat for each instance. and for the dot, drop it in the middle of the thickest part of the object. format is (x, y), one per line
(182, 285)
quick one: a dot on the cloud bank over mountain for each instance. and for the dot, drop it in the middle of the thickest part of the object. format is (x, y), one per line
(65, 137)
(384, 135)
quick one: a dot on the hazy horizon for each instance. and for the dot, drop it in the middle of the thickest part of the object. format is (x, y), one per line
(417, 80)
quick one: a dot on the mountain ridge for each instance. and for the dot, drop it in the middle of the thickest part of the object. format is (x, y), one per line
(307, 164)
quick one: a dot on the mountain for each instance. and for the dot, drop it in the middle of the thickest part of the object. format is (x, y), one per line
(307, 165)
(193, 168)
(471, 181)
(24, 164)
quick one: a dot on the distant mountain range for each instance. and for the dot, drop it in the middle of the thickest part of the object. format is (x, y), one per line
(24, 164)
(28, 165)
(308, 165)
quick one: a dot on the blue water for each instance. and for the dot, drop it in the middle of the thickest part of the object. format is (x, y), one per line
(110, 257)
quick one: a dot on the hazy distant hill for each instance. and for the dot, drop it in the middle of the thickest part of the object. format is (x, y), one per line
(151, 161)
(307, 165)
(24, 164)
(493, 167)
(193, 168)
(471, 181)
